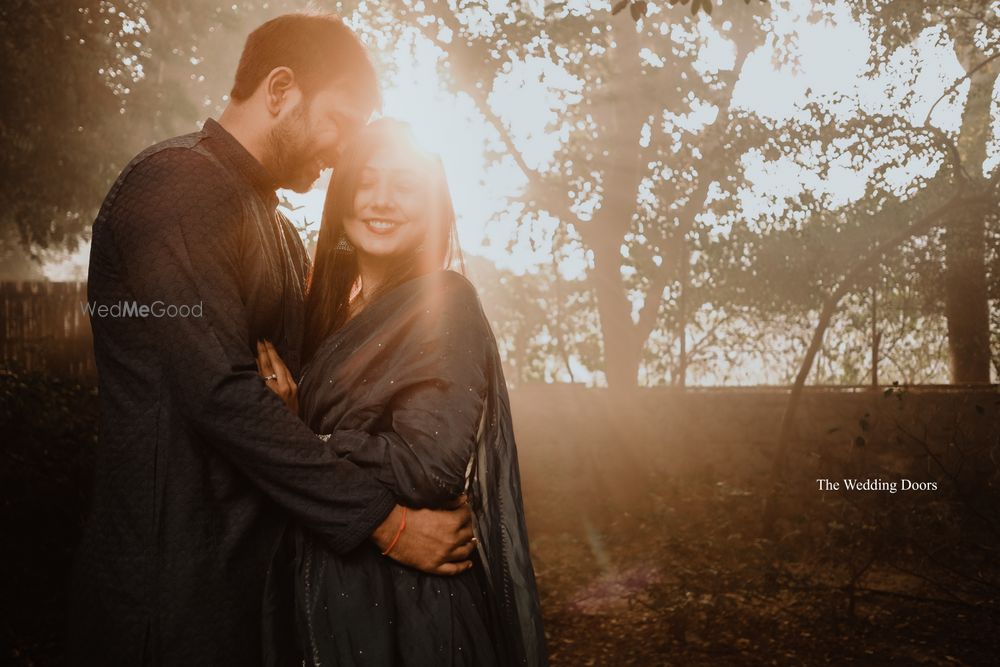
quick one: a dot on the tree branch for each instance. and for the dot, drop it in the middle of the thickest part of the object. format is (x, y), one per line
(954, 87)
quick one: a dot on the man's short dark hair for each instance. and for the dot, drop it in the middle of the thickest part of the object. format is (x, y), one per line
(318, 48)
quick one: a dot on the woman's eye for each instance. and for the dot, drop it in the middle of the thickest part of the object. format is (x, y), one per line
(406, 185)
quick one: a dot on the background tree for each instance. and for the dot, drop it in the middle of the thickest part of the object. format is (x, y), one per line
(789, 253)
(632, 119)
(973, 30)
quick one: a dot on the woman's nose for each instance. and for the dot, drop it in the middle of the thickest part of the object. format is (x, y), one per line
(382, 196)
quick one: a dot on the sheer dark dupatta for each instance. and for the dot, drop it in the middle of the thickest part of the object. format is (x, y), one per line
(413, 390)
(499, 516)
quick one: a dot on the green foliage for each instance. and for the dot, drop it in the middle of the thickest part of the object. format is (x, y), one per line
(89, 84)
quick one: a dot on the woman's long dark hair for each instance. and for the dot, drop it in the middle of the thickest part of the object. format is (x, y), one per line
(335, 275)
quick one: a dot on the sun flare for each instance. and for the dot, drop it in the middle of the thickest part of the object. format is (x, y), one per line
(451, 126)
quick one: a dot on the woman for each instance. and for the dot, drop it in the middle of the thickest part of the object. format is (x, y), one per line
(404, 376)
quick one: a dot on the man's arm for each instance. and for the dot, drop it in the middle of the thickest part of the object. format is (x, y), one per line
(178, 233)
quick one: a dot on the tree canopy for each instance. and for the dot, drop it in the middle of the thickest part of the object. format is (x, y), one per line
(694, 222)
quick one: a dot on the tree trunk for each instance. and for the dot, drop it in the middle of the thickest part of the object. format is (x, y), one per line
(966, 298)
(604, 234)
(876, 334)
(621, 351)
(684, 267)
(966, 295)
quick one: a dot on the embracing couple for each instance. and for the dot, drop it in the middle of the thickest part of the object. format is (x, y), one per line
(320, 469)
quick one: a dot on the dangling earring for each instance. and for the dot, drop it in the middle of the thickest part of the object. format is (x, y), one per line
(344, 245)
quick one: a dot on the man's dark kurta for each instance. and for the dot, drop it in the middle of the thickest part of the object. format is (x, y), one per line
(199, 465)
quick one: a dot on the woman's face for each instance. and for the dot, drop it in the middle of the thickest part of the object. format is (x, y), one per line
(391, 206)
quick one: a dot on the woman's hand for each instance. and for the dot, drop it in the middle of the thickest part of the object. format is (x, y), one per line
(276, 375)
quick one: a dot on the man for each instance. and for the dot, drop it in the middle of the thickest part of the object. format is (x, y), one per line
(199, 465)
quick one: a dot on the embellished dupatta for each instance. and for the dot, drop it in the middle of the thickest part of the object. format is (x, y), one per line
(412, 389)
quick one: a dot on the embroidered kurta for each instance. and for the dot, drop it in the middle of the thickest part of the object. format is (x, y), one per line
(199, 466)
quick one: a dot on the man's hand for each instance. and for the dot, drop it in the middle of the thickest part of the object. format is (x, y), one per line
(434, 541)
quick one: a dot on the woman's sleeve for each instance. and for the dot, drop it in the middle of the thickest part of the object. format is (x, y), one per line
(422, 447)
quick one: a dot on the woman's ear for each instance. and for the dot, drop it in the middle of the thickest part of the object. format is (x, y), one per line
(280, 90)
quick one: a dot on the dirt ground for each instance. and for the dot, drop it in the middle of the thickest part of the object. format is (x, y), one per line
(687, 582)
(654, 552)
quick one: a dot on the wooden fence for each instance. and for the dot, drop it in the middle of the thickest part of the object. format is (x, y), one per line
(45, 329)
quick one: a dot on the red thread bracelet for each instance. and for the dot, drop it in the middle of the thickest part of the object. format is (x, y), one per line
(402, 525)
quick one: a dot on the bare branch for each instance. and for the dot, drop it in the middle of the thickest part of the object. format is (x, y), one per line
(954, 87)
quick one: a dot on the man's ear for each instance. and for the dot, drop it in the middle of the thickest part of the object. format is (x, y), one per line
(280, 89)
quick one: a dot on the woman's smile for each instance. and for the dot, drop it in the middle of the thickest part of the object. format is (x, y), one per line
(382, 226)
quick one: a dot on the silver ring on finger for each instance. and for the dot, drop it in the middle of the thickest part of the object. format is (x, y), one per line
(272, 376)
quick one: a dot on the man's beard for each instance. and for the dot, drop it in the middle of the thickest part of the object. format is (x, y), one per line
(287, 151)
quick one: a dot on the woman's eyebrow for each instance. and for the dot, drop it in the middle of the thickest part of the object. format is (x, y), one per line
(393, 171)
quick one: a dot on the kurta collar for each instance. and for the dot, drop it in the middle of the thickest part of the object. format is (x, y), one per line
(245, 164)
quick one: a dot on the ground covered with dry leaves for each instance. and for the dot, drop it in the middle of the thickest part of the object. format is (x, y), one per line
(655, 554)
